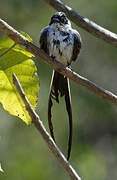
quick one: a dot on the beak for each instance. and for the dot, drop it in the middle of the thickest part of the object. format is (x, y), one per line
(54, 20)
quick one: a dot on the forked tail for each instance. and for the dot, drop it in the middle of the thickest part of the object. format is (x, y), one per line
(60, 87)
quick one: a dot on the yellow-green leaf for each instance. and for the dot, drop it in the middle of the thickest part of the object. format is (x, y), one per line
(26, 35)
(6, 42)
(17, 61)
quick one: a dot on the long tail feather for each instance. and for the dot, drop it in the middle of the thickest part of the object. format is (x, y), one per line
(60, 87)
(69, 110)
(50, 104)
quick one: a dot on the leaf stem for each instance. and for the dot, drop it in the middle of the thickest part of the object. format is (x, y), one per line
(8, 50)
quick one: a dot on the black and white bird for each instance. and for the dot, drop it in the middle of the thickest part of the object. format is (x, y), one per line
(63, 44)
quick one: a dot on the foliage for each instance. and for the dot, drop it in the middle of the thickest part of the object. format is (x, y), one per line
(17, 60)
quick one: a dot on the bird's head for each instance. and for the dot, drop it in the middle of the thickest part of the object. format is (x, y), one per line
(59, 18)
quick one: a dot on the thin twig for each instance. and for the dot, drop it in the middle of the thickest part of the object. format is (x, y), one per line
(41, 129)
(85, 23)
(20, 39)
(8, 50)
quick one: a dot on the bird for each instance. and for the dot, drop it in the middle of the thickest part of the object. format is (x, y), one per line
(62, 43)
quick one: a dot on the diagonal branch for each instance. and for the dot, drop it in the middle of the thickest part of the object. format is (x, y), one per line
(79, 80)
(85, 23)
(47, 138)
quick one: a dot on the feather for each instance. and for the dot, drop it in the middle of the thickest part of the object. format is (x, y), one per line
(60, 87)
(76, 46)
(43, 40)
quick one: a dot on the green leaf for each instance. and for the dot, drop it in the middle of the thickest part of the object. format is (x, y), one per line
(6, 42)
(17, 61)
(26, 35)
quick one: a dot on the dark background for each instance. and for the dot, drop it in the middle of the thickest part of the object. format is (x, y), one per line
(23, 153)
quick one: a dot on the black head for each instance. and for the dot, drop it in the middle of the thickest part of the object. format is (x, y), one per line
(59, 17)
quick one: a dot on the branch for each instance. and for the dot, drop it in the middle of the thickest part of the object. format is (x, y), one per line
(85, 23)
(47, 138)
(79, 80)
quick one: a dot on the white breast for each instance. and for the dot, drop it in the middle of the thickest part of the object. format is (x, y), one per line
(60, 45)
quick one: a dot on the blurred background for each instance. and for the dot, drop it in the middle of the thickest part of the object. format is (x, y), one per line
(23, 153)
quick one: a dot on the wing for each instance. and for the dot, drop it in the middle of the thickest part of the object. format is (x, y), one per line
(76, 46)
(43, 40)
